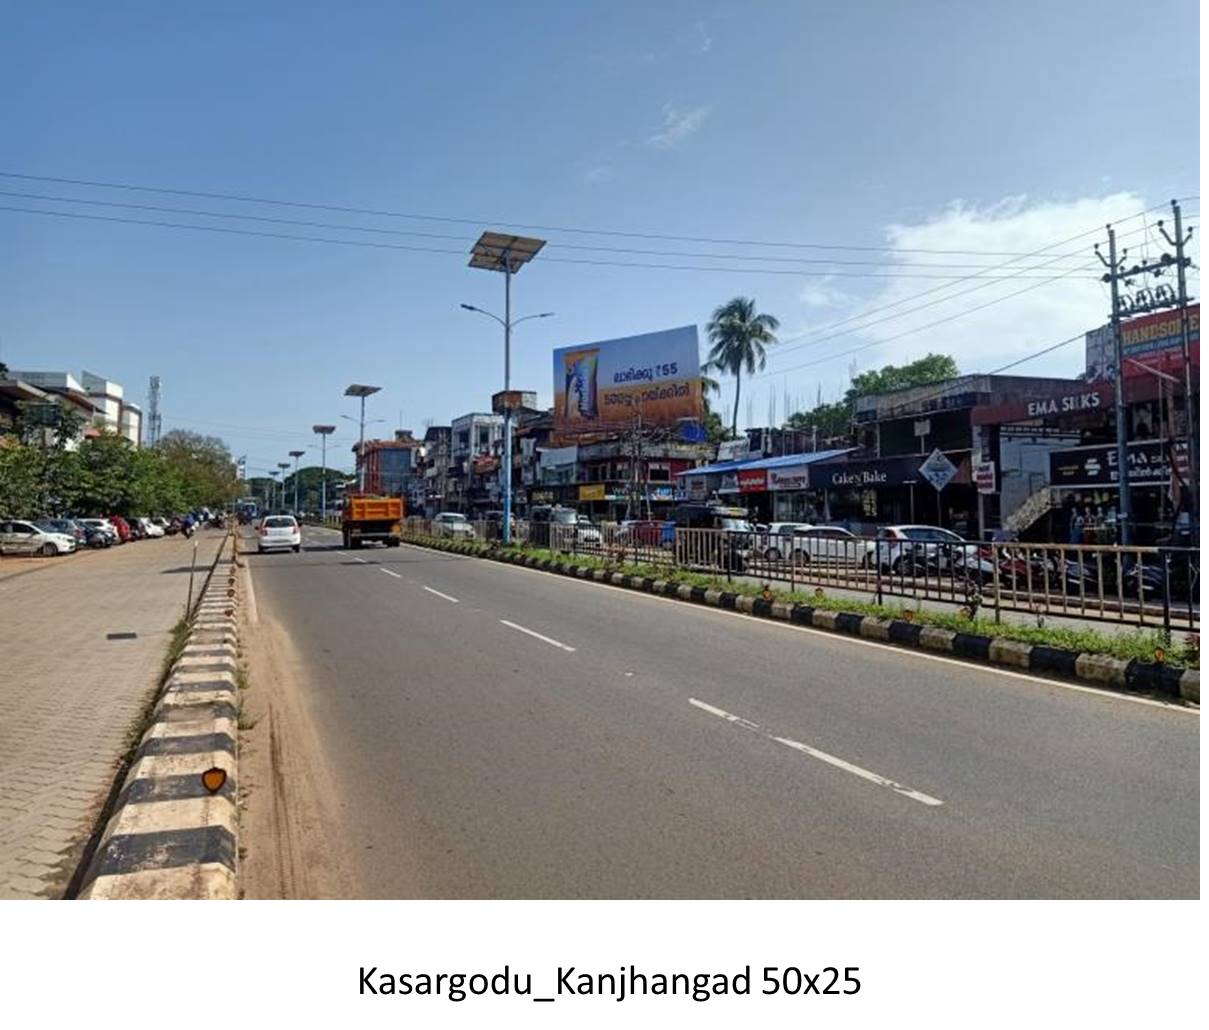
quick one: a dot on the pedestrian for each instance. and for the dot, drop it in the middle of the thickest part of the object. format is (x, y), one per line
(1076, 526)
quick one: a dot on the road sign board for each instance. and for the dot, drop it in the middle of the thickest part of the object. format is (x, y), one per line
(938, 470)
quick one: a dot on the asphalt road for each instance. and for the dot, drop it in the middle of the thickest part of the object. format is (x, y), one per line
(501, 732)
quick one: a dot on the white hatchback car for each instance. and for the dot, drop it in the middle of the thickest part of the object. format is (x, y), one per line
(277, 531)
(17, 537)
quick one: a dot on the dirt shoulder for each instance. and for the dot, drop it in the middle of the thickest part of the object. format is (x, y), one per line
(291, 838)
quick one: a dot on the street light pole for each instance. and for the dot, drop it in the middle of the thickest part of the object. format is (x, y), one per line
(285, 467)
(323, 432)
(362, 391)
(296, 455)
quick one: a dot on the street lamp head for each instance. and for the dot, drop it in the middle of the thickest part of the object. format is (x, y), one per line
(323, 430)
(360, 390)
(297, 454)
(469, 307)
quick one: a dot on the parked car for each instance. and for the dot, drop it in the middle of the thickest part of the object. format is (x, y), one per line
(830, 545)
(646, 533)
(277, 532)
(122, 527)
(137, 532)
(151, 528)
(929, 550)
(103, 526)
(19, 537)
(68, 526)
(584, 531)
(453, 525)
(779, 541)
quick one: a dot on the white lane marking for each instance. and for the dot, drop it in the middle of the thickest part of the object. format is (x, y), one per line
(822, 756)
(451, 600)
(775, 625)
(532, 633)
(389, 573)
(361, 560)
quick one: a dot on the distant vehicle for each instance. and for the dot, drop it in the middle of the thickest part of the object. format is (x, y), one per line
(830, 545)
(453, 525)
(122, 527)
(928, 550)
(367, 517)
(102, 526)
(646, 532)
(151, 528)
(17, 537)
(277, 532)
(780, 540)
(137, 532)
(69, 526)
(584, 533)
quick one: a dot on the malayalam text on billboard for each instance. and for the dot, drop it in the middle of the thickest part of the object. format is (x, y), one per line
(610, 384)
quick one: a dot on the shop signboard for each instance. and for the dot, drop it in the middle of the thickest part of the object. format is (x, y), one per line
(1156, 339)
(1096, 466)
(734, 450)
(984, 477)
(864, 475)
(792, 477)
(753, 481)
(698, 488)
(592, 492)
(730, 483)
(609, 384)
(1082, 399)
(937, 469)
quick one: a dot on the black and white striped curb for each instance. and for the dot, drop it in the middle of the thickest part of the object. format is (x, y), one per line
(1100, 670)
(169, 837)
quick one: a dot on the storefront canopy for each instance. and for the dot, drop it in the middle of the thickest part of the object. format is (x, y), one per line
(781, 461)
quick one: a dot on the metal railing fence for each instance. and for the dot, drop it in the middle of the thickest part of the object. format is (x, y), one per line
(1145, 586)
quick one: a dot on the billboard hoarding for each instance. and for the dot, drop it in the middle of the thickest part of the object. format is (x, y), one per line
(608, 385)
(1156, 339)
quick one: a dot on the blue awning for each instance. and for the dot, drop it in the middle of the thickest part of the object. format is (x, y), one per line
(781, 461)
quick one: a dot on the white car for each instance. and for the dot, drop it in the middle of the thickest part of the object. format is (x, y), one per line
(453, 525)
(780, 539)
(18, 537)
(279, 531)
(929, 550)
(151, 527)
(831, 545)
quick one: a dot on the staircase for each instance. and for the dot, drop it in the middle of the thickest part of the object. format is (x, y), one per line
(1035, 505)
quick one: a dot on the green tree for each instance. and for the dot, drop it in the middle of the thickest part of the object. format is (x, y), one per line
(834, 419)
(21, 477)
(203, 465)
(738, 338)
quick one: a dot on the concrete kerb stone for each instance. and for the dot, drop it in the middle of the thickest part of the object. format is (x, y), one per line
(167, 836)
(1114, 673)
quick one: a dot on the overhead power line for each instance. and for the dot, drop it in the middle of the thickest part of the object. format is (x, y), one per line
(468, 241)
(479, 222)
(157, 223)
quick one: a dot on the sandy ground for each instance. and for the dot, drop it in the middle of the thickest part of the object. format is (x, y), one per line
(292, 841)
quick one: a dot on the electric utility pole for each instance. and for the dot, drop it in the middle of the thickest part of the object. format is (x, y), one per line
(1190, 414)
(1113, 277)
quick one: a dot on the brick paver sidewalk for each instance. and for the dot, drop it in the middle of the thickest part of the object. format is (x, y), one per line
(69, 695)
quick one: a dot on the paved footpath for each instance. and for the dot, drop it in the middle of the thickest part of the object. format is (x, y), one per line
(69, 694)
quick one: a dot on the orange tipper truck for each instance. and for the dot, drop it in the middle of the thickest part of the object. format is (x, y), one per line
(366, 517)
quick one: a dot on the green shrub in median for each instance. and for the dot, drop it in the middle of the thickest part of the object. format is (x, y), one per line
(1133, 643)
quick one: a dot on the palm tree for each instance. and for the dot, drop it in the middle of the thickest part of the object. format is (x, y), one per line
(708, 383)
(738, 336)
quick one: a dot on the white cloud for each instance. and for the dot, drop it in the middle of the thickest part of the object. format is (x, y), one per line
(678, 126)
(599, 173)
(980, 338)
(823, 293)
(704, 40)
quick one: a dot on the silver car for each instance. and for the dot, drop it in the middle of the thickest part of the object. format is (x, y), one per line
(17, 537)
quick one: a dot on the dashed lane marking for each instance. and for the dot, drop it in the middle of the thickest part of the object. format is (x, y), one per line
(451, 600)
(533, 633)
(822, 756)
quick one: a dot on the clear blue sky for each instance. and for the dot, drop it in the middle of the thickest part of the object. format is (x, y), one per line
(791, 121)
